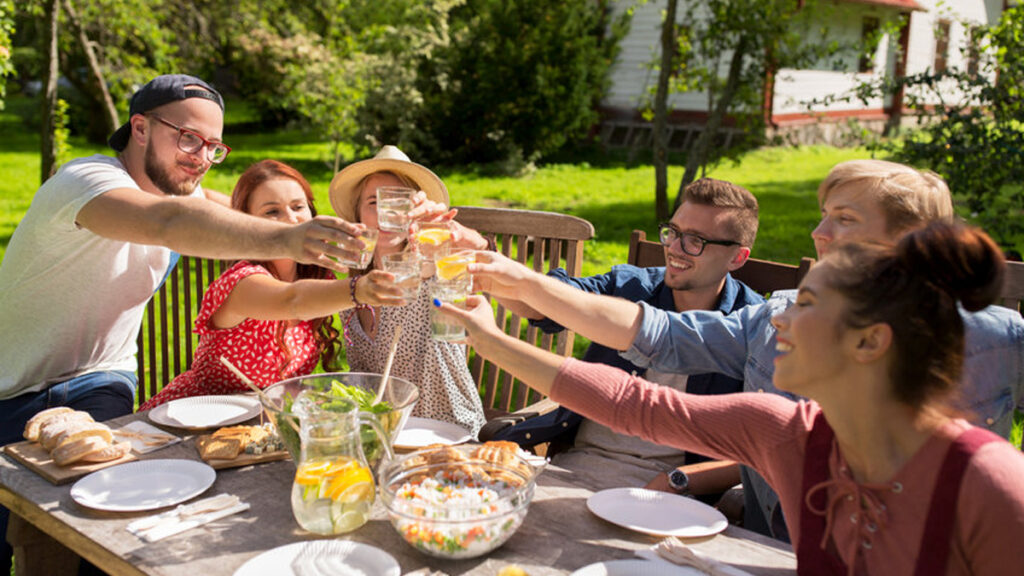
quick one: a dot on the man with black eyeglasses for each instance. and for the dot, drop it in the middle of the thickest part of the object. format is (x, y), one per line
(97, 241)
(710, 235)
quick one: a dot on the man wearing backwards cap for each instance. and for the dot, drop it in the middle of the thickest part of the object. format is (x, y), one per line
(96, 242)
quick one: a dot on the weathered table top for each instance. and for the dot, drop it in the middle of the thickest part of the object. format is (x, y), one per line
(558, 536)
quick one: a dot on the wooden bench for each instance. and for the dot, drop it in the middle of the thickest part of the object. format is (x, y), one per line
(542, 240)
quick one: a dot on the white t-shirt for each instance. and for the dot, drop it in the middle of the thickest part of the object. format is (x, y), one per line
(71, 302)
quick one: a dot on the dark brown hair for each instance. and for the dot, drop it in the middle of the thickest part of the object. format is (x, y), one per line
(742, 223)
(915, 288)
(326, 334)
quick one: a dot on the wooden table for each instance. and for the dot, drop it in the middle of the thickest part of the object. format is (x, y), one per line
(558, 536)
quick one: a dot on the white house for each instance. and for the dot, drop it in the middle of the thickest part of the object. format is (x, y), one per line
(931, 37)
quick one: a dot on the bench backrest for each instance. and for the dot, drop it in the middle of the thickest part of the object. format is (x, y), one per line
(1013, 289)
(543, 241)
(166, 342)
(764, 276)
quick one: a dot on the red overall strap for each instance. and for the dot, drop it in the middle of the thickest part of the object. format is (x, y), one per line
(938, 530)
(811, 560)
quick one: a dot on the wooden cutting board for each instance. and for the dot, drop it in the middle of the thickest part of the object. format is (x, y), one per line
(246, 459)
(37, 459)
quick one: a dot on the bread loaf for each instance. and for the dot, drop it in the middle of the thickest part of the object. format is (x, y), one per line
(55, 425)
(79, 430)
(109, 452)
(75, 451)
(34, 423)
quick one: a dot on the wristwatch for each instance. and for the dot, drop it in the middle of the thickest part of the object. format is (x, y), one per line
(679, 481)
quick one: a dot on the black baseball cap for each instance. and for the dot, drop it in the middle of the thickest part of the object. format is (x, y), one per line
(159, 91)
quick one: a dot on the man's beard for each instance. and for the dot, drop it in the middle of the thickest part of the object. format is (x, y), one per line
(161, 178)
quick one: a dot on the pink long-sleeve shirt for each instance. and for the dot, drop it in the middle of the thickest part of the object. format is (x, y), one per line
(875, 528)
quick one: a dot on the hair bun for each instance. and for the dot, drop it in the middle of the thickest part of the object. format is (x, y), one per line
(960, 260)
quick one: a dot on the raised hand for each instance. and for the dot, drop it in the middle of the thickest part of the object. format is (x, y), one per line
(378, 288)
(477, 317)
(499, 276)
(325, 239)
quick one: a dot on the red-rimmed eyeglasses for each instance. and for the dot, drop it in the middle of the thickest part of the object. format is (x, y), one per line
(190, 142)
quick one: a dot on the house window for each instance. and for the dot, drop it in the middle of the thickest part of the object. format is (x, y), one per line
(869, 44)
(941, 46)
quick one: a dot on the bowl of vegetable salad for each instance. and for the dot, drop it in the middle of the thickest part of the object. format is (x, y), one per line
(392, 411)
(451, 504)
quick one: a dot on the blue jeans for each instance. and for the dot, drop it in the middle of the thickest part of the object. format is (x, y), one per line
(104, 395)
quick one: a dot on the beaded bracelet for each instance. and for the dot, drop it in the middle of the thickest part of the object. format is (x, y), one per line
(352, 290)
(352, 313)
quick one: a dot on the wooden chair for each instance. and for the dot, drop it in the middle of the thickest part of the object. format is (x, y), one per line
(1013, 289)
(165, 341)
(543, 241)
(764, 276)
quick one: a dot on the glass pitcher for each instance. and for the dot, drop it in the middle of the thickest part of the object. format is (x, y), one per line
(333, 489)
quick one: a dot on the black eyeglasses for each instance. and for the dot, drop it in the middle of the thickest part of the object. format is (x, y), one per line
(190, 142)
(691, 243)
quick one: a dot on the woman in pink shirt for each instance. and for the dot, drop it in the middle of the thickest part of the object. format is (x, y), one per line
(875, 474)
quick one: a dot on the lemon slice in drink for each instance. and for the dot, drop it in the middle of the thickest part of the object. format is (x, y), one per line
(433, 236)
(358, 492)
(310, 473)
(452, 266)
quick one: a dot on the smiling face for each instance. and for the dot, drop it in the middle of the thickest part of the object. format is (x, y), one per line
(686, 272)
(172, 171)
(282, 200)
(850, 214)
(814, 344)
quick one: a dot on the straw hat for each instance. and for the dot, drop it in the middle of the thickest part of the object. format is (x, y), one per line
(345, 197)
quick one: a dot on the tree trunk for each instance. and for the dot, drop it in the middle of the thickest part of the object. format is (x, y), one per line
(668, 45)
(101, 92)
(698, 156)
(48, 151)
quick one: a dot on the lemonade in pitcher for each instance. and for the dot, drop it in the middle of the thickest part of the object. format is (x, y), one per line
(332, 496)
(333, 489)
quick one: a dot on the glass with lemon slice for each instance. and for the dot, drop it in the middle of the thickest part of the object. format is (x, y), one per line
(432, 240)
(333, 489)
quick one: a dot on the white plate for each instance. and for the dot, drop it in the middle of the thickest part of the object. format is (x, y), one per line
(636, 568)
(422, 432)
(197, 412)
(322, 557)
(657, 513)
(143, 485)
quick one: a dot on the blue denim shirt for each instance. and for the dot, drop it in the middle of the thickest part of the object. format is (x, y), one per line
(637, 285)
(742, 345)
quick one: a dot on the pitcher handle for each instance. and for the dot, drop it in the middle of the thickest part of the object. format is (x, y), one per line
(371, 419)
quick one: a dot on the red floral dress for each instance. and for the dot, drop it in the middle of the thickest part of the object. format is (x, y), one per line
(251, 346)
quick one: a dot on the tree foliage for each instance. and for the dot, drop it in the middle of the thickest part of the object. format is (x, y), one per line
(6, 30)
(974, 136)
(522, 78)
(730, 49)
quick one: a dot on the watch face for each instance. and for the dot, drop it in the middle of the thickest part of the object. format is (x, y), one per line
(678, 480)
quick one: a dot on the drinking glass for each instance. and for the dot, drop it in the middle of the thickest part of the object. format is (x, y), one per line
(369, 237)
(406, 268)
(451, 269)
(393, 206)
(432, 239)
(442, 328)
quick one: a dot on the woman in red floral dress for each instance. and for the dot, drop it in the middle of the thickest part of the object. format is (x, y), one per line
(273, 320)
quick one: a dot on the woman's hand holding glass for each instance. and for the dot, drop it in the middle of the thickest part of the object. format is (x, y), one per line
(378, 288)
(474, 314)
